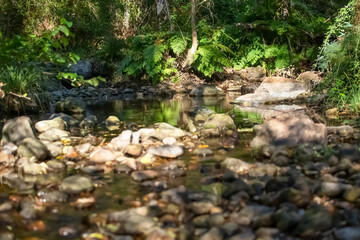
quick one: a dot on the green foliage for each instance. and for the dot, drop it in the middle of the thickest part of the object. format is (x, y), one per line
(78, 80)
(340, 58)
(31, 48)
(177, 44)
(209, 59)
(21, 79)
(150, 55)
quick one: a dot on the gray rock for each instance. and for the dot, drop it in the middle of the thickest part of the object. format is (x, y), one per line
(134, 150)
(121, 141)
(332, 189)
(55, 148)
(31, 147)
(221, 122)
(213, 234)
(202, 114)
(348, 233)
(202, 152)
(34, 169)
(274, 89)
(134, 221)
(167, 151)
(17, 129)
(145, 175)
(165, 130)
(53, 135)
(205, 90)
(315, 221)
(101, 155)
(289, 132)
(89, 122)
(70, 121)
(56, 166)
(76, 184)
(200, 207)
(236, 165)
(82, 68)
(57, 123)
(252, 73)
(71, 106)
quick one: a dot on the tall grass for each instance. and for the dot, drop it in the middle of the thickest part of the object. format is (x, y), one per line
(21, 79)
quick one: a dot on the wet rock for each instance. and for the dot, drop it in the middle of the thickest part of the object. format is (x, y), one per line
(101, 155)
(205, 90)
(295, 196)
(213, 234)
(332, 189)
(166, 151)
(76, 184)
(202, 114)
(145, 175)
(14, 181)
(274, 89)
(67, 232)
(347, 233)
(6, 206)
(133, 150)
(112, 121)
(17, 129)
(31, 147)
(121, 141)
(216, 220)
(92, 169)
(133, 221)
(49, 196)
(236, 165)
(57, 123)
(267, 233)
(70, 106)
(203, 152)
(82, 68)
(131, 162)
(123, 168)
(256, 212)
(70, 121)
(53, 135)
(289, 132)
(165, 130)
(260, 170)
(85, 202)
(89, 122)
(315, 221)
(222, 122)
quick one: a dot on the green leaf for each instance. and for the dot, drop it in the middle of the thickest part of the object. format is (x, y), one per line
(56, 44)
(64, 29)
(64, 22)
(65, 41)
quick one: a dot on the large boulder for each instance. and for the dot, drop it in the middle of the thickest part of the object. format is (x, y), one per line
(274, 89)
(206, 90)
(70, 106)
(53, 135)
(164, 130)
(82, 68)
(17, 129)
(289, 132)
(70, 121)
(31, 147)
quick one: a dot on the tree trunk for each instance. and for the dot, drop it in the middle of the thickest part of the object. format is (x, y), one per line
(126, 21)
(190, 58)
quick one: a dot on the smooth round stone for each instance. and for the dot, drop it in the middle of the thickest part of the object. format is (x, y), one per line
(140, 176)
(76, 184)
(123, 168)
(91, 169)
(169, 141)
(203, 152)
(133, 150)
(167, 151)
